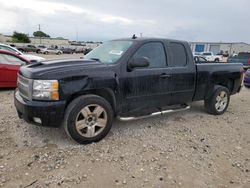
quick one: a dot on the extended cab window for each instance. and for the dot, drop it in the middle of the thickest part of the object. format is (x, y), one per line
(177, 55)
(155, 52)
(10, 60)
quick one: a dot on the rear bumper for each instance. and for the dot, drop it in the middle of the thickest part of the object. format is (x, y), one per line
(49, 114)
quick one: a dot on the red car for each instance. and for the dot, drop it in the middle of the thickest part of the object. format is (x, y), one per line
(9, 67)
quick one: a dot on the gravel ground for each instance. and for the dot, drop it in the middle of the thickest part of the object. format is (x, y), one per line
(183, 149)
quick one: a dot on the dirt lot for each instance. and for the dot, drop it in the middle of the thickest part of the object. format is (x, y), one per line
(183, 149)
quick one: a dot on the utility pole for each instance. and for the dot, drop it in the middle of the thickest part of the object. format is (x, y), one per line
(76, 34)
(39, 29)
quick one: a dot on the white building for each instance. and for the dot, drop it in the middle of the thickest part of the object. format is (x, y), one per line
(217, 47)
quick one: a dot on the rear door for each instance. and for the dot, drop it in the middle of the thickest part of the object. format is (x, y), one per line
(183, 73)
(148, 87)
(9, 67)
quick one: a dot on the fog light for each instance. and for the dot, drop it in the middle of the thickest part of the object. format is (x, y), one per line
(37, 120)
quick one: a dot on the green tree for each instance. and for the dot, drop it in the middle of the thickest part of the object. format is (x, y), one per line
(40, 34)
(20, 37)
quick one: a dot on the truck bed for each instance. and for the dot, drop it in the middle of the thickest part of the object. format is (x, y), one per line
(226, 74)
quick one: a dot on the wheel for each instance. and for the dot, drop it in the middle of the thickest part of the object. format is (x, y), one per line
(46, 52)
(88, 119)
(59, 53)
(217, 60)
(217, 104)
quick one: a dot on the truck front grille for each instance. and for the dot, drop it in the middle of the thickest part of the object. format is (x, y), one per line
(23, 86)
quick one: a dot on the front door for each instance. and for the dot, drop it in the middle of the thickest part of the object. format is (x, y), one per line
(147, 88)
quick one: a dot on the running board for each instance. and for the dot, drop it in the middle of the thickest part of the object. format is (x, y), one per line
(153, 114)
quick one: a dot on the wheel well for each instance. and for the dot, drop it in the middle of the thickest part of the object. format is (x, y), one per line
(229, 85)
(105, 93)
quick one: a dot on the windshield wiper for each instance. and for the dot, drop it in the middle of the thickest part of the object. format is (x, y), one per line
(96, 59)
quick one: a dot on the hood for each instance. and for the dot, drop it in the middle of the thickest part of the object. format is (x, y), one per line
(33, 58)
(58, 69)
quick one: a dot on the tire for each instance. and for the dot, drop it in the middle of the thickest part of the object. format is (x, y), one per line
(217, 60)
(46, 52)
(217, 104)
(92, 126)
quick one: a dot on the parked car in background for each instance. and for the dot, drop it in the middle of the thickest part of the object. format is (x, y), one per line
(86, 51)
(211, 57)
(27, 48)
(79, 50)
(247, 79)
(31, 58)
(196, 53)
(242, 57)
(39, 48)
(13, 45)
(9, 67)
(199, 59)
(67, 50)
(51, 51)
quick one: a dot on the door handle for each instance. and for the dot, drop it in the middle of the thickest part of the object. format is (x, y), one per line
(164, 75)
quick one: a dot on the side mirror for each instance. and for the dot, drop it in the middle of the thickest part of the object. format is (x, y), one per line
(138, 62)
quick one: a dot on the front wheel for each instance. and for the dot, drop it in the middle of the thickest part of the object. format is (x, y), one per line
(88, 119)
(217, 104)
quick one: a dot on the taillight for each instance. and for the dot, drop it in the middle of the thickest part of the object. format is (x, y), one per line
(241, 75)
(248, 62)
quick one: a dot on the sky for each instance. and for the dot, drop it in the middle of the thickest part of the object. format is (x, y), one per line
(101, 20)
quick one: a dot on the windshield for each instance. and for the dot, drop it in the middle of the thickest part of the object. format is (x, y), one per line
(244, 55)
(207, 54)
(109, 52)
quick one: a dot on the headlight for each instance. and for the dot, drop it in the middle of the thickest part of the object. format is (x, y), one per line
(45, 90)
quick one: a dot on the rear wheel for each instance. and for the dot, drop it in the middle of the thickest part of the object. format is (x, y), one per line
(88, 119)
(217, 60)
(217, 104)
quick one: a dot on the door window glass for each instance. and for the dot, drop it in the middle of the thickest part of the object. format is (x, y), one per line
(11, 60)
(155, 52)
(177, 55)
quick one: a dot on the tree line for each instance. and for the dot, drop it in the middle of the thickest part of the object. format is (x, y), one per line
(24, 38)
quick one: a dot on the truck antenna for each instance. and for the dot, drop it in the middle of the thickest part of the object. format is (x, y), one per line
(134, 37)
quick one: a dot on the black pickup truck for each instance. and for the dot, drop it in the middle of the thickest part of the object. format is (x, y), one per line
(127, 79)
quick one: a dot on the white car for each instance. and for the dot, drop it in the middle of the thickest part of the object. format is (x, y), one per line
(211, 57)
(50, 51)
(31, 58)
